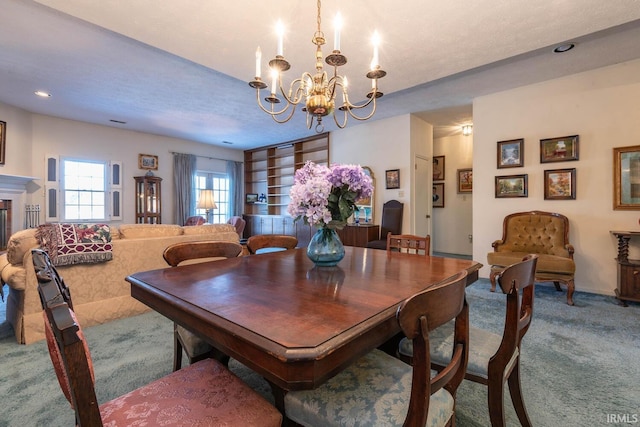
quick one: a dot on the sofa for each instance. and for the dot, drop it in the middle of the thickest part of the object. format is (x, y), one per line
(100, 292)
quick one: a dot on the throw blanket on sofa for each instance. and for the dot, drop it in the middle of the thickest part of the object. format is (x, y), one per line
(69, 244)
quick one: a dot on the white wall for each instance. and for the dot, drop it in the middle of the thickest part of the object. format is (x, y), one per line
(453, 224)
(601, 107)
(32, 136)
(381, 145)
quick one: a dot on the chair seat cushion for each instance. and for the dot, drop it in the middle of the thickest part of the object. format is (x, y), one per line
(546, 263)
(482, 346)
(192, 344)
(377, 244)
(204, 393)
(374, 391)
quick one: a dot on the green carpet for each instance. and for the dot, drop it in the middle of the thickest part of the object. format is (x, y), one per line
(579, 365)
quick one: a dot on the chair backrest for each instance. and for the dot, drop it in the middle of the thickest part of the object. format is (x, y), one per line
(518, 282)
(239, 223)
(67, 346)
(391, 218)
(408, 243)
(262, 241)
(202, 251)
(195, 220)
(418, 316)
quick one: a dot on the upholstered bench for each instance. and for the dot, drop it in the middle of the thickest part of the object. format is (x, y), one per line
(543, 233)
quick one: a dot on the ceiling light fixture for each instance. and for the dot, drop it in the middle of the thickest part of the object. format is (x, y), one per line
(467, 129)
(317, 90)
(564, 48)
(43, 94)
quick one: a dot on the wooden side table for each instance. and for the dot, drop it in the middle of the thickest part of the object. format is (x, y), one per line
(628, 269)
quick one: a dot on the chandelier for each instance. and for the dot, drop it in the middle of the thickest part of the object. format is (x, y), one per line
(316, 91)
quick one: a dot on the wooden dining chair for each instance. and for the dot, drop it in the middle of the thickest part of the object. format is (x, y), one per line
(200, 394)
(258, 243)
(189, 252)
(494, 359)
(408, 243)
(378, 389)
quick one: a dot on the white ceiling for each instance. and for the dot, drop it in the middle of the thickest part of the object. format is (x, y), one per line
(180, 68)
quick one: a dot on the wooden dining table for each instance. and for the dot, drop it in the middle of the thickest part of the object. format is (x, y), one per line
(293, 323)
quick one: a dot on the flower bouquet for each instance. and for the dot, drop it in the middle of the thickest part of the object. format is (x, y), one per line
(325, 197)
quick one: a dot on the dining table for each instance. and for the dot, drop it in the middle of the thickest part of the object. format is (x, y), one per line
(290, 321)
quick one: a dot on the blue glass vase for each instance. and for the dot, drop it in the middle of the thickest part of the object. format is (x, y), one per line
(325, 248)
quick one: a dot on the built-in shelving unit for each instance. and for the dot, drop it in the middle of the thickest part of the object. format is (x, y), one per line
(270, 170)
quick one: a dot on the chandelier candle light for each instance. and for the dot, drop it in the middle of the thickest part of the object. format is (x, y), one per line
(317, 90)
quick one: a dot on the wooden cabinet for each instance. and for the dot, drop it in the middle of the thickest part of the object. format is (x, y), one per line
(148, 199)
(359, 235)
(628, 269)
(270, 171)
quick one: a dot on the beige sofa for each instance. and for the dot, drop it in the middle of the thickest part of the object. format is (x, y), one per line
(99, 291)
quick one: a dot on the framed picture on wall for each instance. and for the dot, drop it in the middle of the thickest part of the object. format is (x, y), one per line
(438, 168)
(147, 161)
(392, 178)
(562, 149)
(465, 180)
(438, 195)
(511, 153)
(560, 184)
(626, 178)
(512, 186)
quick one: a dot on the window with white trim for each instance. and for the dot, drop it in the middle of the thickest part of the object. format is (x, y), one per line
(82, 190)
(219, 183)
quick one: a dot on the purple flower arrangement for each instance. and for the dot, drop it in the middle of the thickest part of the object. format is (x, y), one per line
(326, 196)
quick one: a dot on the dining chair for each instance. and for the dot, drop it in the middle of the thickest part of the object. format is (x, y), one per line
(392, 212)
(270, 242)
(203, 393)
(495, 359)
(379, 389)
(191, 252)
(408, 243)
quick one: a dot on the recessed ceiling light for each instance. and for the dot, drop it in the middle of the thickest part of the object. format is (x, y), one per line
(43, 94)
(564, 47)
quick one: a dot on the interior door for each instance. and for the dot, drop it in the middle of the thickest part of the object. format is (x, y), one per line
(423, 195)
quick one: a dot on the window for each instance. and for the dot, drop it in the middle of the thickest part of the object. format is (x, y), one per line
(219, 183)
(84, 189)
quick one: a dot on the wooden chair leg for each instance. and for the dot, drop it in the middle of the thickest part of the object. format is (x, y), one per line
(571, 287)
(492, 279)
(557, 285)
(496, 402)
(516, 396)
(177, 352)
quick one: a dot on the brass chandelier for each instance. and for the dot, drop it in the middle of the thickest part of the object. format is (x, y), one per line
(317, 90)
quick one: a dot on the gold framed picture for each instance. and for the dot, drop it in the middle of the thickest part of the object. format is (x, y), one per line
(626, 178)
(147, 161)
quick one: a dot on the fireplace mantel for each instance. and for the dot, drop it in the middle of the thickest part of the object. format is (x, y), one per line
(15, 180)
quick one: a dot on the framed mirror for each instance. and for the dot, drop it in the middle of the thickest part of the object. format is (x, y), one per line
(365, 205)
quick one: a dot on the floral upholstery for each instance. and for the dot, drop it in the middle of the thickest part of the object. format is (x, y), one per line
(374, 391)
(482, 346)
(202, 394)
